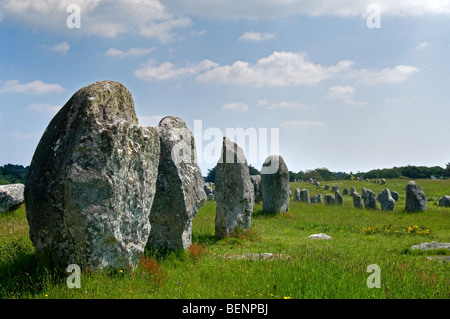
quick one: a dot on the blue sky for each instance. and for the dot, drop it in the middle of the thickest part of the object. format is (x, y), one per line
(342, 95)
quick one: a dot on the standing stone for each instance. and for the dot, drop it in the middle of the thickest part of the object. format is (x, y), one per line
(329, 199)
(345, 191)
(314, 199)
(357, 200)
(91, 182)
(394, 195)
(11, 196)
(363, 192)
(207, 189)
(234, 191)
(370, 200)
(383, 181)
(297, 194)
(334, 188)
(327, 187)
(338, 197)
(211, 196)
(179, 187)
(275, 185)
(352, 190)
(319, 199)
(304, 196)
(256, 181)
(444, 201)
(415, 198)
(386, 201)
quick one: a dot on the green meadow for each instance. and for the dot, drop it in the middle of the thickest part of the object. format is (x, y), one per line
(311, 269)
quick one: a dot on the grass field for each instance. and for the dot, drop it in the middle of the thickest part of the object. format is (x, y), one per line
(335, 268)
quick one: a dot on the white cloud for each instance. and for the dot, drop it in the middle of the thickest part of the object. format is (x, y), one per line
(152, 120)
(256, 36)
(133, 52)
(107, 18)
(61, 48)
(398, 74)
(344, 94)
(35, 87)
(44, 108)
(151, 72)
(269, 9)
(281, 105)
(422, 45)
(235, 107)
(277, 70)
(301, 124)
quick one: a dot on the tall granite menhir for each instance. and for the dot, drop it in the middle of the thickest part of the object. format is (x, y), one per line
(91, 182)
(235, 194)
(275, 185)
(179, 188)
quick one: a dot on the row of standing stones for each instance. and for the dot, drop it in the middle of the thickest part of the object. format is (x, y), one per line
(101, 188)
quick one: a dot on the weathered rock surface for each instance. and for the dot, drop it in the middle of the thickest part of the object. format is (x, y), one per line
(444, 201)
(431, 245)
(319, 236)
(357, 200)
(304, 195)
(370, 200)
(338, 197)
(11, 196)
(386, 201)
(394, 195)
(179, 187)
(297, 195)
(91, 182)
(329, 199)
(256, 181)
(275, 185)
(234, 191)
(416, 200)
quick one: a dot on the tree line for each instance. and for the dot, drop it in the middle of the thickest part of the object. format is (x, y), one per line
(323, 174)
(12, 174)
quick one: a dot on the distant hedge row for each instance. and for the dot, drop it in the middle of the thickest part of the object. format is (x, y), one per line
(12, 174)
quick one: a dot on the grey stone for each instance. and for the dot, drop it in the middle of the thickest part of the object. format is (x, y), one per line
(319, 199)
(234, 191)
(304, 196)
(334, 188)
(431, 245)
(256, 181)
(345, 191)
(327, 187)
(415, 198)
(329, 199)
(394, 195)
(338, 197)
(386, 201)
(444, 201)
(383, 181)
(352, 190)
(357, 200)
(275, 185)
(314, 199)
(363, 192)
(370, 200)
(319, 236)
(91, 182)
(207, 189)
(179, 187)
(297, 194)
(11, 196)
(211, 196)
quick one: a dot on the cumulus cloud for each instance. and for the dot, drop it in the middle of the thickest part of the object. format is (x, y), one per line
(398, 74)
(35, 87)
(269, 9)
(281, 105)
(277, 70)
(343, 94)
(302, 124)
(252, 36)
(149, 120)
(44, 108)
(150, 71)
(235, 107)
(61, 48)
(106, 18)
(133, 52)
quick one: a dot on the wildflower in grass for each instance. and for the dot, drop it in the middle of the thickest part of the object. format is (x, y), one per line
(287, 297)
